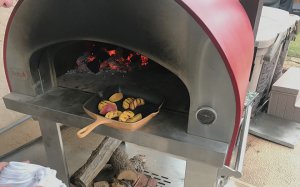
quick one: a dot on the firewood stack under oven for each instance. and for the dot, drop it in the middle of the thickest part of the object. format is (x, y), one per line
(196, 54)
(109, 165)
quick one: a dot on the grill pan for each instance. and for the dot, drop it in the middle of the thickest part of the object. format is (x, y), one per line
(153, 103)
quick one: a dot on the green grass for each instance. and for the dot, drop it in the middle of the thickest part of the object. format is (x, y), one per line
(294, 49)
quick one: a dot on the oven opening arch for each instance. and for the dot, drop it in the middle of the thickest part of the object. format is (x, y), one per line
(91, 66)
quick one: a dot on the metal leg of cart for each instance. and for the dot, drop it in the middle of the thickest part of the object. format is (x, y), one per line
(54, 149)
(195, 177)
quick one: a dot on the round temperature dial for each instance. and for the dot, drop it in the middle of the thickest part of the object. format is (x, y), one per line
(206, 115)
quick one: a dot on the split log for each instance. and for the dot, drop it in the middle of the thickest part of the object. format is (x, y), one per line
(96, 162)
(120, 170)
(117, 184)
(101, 184)
(142, 181)
(106, 174)
(152, 182)
(129, 175)
(123, 167)
(139, 163)
(145, 181)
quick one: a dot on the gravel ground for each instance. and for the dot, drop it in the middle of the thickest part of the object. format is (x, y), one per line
(291, 62)
(270, 165)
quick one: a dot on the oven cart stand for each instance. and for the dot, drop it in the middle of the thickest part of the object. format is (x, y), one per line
(194, 175)
(184, 171)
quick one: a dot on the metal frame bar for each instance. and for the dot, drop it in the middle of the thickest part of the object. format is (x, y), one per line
(226, 172)
(243, 141)
(51, 135)
(15, 124)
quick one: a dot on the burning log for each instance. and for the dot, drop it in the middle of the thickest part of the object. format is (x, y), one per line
(115, 59)
(81, 63)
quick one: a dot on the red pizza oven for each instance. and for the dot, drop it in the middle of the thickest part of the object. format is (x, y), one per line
(197, 54)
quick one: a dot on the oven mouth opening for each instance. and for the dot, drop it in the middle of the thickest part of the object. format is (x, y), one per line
(92, 66)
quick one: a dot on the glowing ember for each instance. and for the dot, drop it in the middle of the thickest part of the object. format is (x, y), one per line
(129, 57)
(91, 58)
(112, 52)
(145, 60)
(120, 60)
(113, 66)
(114, 59)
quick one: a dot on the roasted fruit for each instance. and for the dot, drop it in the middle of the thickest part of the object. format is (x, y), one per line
(135, 118)
(137, 102)
(113, 114)
(116, 97)
(126, 102)
(108, 108)
(102, 104)
(126, 115)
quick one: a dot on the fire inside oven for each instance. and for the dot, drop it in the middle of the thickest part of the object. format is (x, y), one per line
(93, 66)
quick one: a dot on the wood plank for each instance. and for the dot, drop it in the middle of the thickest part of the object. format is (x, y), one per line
(96, 162)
